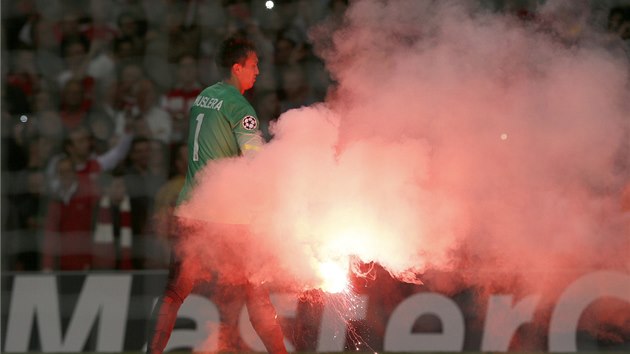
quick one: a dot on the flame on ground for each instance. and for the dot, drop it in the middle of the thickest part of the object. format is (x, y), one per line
(334, 276)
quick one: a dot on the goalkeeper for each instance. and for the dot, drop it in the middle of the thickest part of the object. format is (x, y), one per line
(222, 124)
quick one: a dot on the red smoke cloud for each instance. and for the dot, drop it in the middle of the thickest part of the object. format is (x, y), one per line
(453, 140)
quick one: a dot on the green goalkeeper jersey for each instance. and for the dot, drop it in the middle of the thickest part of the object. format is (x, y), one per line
(222, 124)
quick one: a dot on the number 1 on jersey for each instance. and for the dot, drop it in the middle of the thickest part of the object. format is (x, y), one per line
(196, 138)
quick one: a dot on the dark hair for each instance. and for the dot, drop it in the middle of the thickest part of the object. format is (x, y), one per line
(232, 51)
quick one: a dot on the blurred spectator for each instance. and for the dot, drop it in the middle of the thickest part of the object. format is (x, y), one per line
(170, 39)
(25, 222)
(15, 101)
(87, 50)
(306, 13)
(102, 130)
(131, 27)
(210, 16)
(113, 235)
(13, 152)
(270, 20)
(159, 156)
(169, 192)
(39, 33)
(101, 27)
(101, 59)
(296, 14)
(238, 15)
(78, 147)
(178, 100)
(74, 105)
(68, 224)
(40, 150)
(149, 119)
(102, 117)
(106, 55)
(30, 143)
(318, 78)
(46, 116)
(142, 183)
(267, 107)
(619, 22)
(102, 64)
(164, 226)
(336, 11)
(21, 133)
(129, 74)
(183, 34)
(287, 49)
(295, 89)
(77, 60)
(16, 16)
(70, 26)
(124, 49)
(23, 73)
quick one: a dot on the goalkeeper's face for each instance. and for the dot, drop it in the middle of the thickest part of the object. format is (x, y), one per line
(247, 72)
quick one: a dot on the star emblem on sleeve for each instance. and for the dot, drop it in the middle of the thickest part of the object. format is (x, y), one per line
(249, 123)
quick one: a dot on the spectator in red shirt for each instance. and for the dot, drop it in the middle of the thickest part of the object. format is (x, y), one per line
(78, 147)
(68, 222)
(23, 74)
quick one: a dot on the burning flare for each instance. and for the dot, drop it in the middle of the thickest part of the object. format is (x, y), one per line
(334, 277)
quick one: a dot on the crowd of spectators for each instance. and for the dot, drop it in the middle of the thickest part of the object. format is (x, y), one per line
(95, 106)
(95, 98)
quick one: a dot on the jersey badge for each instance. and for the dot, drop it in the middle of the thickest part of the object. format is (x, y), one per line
(249, 123)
